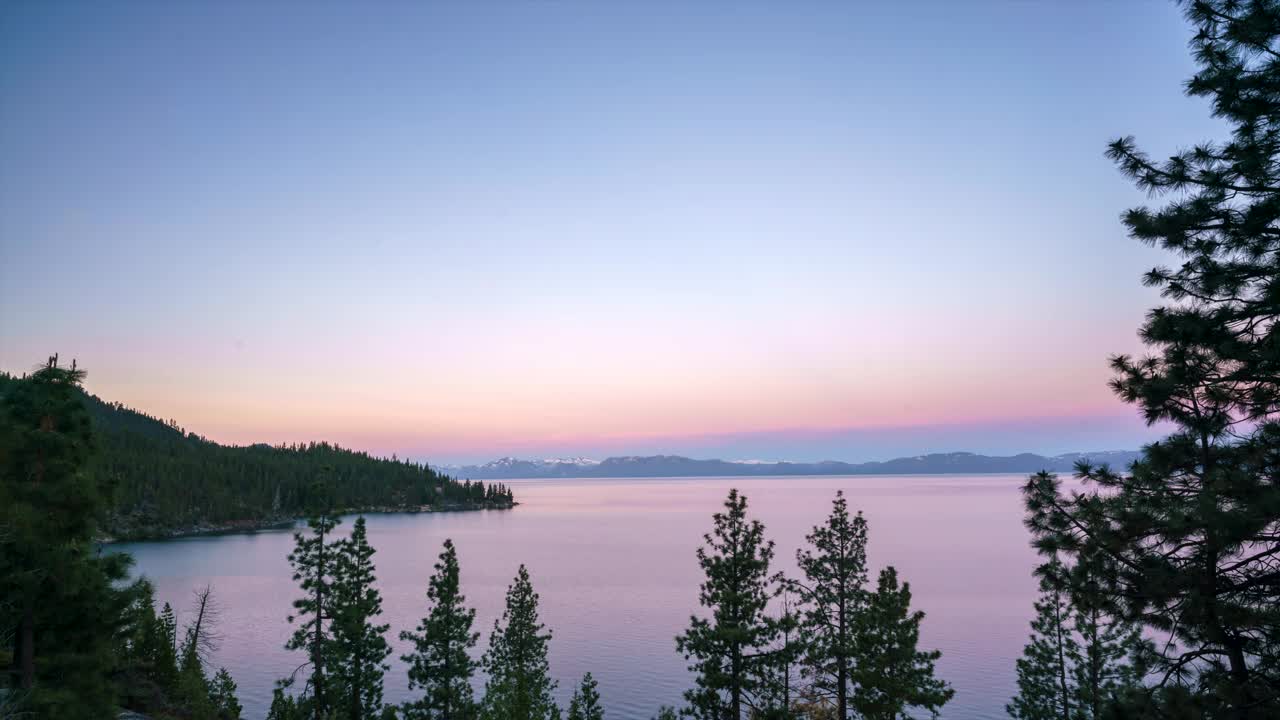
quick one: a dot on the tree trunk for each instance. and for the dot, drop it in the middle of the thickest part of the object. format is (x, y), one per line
(317, 658)
(735, 685)
(1062, 660)
(357, 666)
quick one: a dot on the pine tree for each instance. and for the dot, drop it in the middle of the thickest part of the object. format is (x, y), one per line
(1082, 658)
(222, 694)
(1193, 528)
(893, 675)
(833, 596)
(520, 685)
(1112, 663)
(314, 560)
(780, 665)
(150, 650)
(1046, 680)
(169, 624)
(1114, 657)
(50, 509)
(440, 664)
(585, 703)
(727, 650)
(285, 706)
(359, 648)
(169, 636)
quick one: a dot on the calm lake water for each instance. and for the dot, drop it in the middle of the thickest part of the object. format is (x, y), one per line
(613, 561)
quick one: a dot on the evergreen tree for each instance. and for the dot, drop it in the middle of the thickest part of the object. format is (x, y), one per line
(1082, 658)
(169, 625)
(1113, 657)
(440, 664)
(50, 575)
(1046, 680)
(1193, 529)
(728, 650)
(222, 694)
(520, 685)
(285, 706)
(780, 664)
(893, 675)
(833, 596)
(359, 647)
(150, 648)
(314, 561)
(585, 703)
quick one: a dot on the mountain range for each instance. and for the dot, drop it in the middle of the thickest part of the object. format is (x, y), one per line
(677, 466)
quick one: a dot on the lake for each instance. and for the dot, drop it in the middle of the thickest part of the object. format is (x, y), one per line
(613, 562)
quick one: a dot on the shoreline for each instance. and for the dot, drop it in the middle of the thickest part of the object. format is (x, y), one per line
(277, 522)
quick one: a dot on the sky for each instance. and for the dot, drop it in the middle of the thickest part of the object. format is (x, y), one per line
(457, 231)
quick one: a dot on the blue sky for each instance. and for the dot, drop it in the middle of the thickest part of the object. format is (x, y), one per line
(455, 231)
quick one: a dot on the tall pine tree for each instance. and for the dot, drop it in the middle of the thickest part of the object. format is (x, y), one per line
(314, 562)
(1046, 677)
(440, 663)
(520, 684)
(1082, 658)
(50, 574)
(893, 675)
(359, 648)
(1193, 529)
(833, 596)
(728, 650)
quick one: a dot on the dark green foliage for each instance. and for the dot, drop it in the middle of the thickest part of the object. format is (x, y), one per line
(152, 679)
(781, 664)
(666, 712)
(1082, 661)
(833, 596)
(166, 479)
(222, 693)
(519, 685)
(585, 704)
(359, 647)
(51, 577)
(1193, 531)
(285, 707)
(149, 643)
(727, 651)
(1114, 657)
(893, 675)
(440, 664)
(314, 561)
(1045, 670)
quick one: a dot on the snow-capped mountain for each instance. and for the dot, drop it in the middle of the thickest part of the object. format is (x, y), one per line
(677, 466)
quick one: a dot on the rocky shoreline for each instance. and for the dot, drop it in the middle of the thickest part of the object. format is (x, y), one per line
(123, 530)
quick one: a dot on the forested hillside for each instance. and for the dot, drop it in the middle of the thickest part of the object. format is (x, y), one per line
(167, 480)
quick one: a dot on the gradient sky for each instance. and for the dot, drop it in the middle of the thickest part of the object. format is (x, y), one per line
(453, 232)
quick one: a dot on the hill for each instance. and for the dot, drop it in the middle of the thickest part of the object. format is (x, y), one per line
(677, 466)
(168, 481)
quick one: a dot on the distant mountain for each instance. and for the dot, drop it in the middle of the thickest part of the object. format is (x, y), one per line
(677, 466)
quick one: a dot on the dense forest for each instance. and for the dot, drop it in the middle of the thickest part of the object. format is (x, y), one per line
(165, 480)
